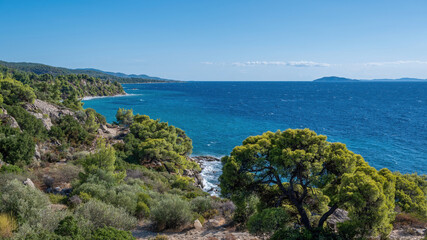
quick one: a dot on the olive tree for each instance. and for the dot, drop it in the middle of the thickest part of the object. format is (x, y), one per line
(310, 177)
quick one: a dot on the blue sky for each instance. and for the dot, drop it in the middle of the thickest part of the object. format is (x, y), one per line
(202, 40)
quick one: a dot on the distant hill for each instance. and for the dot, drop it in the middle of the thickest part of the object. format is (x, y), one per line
(39, 68)
(341, 79)
(335, 79)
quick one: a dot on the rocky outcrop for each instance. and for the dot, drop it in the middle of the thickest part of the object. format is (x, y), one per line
(47, 112)
(8, 120)
(198, 180)
(338, 216)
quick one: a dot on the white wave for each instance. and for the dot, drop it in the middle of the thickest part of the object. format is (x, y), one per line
(119, 95)
(211, 170)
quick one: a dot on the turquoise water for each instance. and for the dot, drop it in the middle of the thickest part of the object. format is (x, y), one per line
(384, 122)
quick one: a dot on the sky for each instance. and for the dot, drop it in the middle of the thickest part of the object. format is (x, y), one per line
(230, 40)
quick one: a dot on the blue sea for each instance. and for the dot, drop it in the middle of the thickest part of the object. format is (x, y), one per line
(384, 122)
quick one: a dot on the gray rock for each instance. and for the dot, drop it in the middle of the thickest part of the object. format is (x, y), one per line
(75, 200)
(197, 225)
(338, 216)
(9, 120)
(29, 183)
(47, 112)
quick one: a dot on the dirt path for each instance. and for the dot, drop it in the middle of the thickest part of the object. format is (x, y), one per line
(193, 234)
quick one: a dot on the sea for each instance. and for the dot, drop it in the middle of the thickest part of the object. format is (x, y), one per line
(385, 122)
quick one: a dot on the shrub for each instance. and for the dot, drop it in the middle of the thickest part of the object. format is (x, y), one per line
(102, 214)
(268, 221)
(142, 210)
(69, 130)
(201, 204)
(111, 234)
(69, 227)
(171, 212)
(7, 225)
(57, 198)
(22, 201)
(10, 169)
(38, 235)
(145, 198)
(16, 146)
(15, 92)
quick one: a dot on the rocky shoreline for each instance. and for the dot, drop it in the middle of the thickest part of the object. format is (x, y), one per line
(200, 180)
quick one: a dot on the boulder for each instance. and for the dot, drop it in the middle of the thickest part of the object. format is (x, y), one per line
(197, 225)
(75, 200)
(29, 183)
(9, 120)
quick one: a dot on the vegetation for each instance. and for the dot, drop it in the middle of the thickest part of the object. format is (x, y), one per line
(302, 173)
(171, 212)
(151, 141)
(17, 86)
(41, 69)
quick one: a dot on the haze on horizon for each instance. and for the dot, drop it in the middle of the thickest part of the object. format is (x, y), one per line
(221, 40)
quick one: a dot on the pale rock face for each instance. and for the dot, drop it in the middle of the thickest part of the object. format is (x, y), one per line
(29, 183)
(198, 225)
(46, 112)
(9, 120)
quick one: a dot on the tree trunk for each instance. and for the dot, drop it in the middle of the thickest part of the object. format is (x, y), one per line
(326, 215)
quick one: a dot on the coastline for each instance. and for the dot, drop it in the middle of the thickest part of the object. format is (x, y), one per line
(96, 97)
(211, 169)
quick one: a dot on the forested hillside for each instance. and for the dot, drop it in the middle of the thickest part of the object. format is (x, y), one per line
(38, 68)
(61, 89)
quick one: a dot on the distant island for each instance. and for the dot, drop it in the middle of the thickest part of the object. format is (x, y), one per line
(334, 79)
(39, 68)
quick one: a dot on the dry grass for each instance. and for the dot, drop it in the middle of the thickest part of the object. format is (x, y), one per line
(7, 225)
(408, 220)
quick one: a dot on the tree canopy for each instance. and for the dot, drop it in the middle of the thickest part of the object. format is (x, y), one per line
(151, 141)
(302, 172)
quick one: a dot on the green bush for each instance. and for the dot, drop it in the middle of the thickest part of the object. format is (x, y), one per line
(102, 214)
(142, 210)
(57, 198)
(14, 92)
(69, 227)
(16, 146)
(111, 234)
(70, 130)
(171, 212)
(201, 204)
(10, 169)
(268, 221)
(22, 201)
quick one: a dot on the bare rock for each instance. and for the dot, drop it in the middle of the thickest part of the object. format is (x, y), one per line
(46, 112)
(338, 216)
(197, 225)
(29, 183)
(9, 120)
(75, 200)
(58, 207)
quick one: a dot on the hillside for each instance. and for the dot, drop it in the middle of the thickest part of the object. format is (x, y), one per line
(335, 79)
(39, 68)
